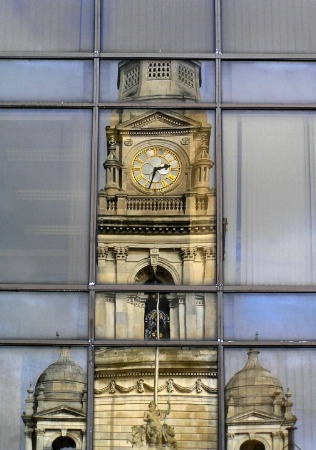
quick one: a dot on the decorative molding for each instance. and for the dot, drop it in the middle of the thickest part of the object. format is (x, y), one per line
(209, 252)
(39, 431)
(154, 257)
(128, 142)
(199, 300)
(188, 253)
(141, 386)
(159, 117)
(185, 140)
(151, 373)
(120, 252)
(103, 252)
(109, 297)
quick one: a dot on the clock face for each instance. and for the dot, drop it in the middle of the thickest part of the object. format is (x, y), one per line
(156, 168)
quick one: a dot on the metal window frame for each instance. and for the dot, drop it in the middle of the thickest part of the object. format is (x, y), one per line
(219, 289)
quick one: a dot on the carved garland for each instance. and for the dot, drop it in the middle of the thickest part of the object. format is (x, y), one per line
(170, 385)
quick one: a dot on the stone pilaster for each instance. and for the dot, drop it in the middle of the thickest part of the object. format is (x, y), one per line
(121, 256)
(188, 257)
(200, 319)
(39, 438)
(28, 439)
(84, 439)
(209, 264)
(105, 316)
(182, 315)
(121, 316)
(190, 315)
(174, 316)
(277, 440)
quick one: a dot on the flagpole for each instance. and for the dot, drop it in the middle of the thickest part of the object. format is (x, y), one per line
(157, 352)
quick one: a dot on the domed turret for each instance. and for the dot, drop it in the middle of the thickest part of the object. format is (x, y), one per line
(254, 387)
(258, 413)
(63, 382)
(55, 415)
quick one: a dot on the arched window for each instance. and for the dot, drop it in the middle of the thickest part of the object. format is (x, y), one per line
(252, 445)
(151, 316)
(63, 443)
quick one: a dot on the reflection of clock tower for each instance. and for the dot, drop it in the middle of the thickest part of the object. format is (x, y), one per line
(156, 217)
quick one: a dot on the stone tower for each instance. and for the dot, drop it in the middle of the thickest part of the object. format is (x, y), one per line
(258, 415)
(156, 217)
(156, 225)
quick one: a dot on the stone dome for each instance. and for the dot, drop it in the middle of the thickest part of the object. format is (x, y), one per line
(63, 382)
(255, 388)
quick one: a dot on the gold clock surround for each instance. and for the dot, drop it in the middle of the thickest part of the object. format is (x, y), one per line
(145, 168)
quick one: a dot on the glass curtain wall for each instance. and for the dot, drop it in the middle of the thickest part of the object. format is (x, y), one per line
(158, 224)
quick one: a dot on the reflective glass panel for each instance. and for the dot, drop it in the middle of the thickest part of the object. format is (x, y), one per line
(50, 25)
(270, 316)
(269, 26)
(151, 26)
(128, 384)
(45, 165)
(197, 80)
(156, 196)
(49, 315)
(263, 82)
(272, 383)
(54, 81)
(133, 315)
(269, 197)
(36, 385)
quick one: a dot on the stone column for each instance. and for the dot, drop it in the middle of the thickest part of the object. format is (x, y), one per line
(190, 316)
(174, 316)
(109, 315)
(121, 318)
(28, 439)
(200, 321)
(84, 439)
(182, 324)
(130, 311)
(121, 256)
(210, 315)
(277, 440)
(209, 264)
(39, 438)
(188, 256)
(106, 266)
(230, 441)
(139, 313)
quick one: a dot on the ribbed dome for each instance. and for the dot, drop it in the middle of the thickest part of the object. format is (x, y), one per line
(62, 382)
(254, 387)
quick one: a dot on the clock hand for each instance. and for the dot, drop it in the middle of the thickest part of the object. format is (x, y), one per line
(162, 166)
(152, 178)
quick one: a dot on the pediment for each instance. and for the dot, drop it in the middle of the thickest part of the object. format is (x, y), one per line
(152, 120)
(254, 416)
(60, 412)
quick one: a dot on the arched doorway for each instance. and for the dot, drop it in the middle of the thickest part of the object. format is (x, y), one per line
(252, 445)
(63, 443)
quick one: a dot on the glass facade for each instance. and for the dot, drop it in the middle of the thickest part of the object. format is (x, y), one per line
(157, 224)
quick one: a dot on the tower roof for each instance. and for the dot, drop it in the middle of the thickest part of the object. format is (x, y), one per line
(253, 387)
(63, 382)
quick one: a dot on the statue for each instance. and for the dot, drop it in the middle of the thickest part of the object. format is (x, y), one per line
(154, 433)
(138, 433)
